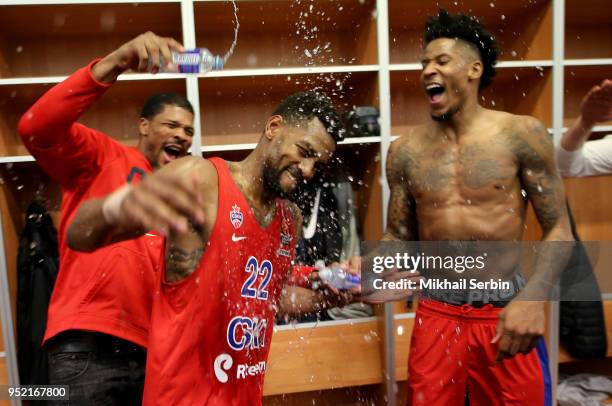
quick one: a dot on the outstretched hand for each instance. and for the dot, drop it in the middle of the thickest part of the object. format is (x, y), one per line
(163, 201)
(596, 106)
(142, 54)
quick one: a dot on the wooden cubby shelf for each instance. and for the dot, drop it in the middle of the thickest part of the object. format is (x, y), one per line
(321, 33)
(234, 109)
(588, 29)
(520, 38)
(58, 39)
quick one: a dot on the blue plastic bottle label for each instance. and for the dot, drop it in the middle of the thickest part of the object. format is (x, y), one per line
(188, 61)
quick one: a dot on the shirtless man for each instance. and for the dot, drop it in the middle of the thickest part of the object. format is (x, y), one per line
(459, 177)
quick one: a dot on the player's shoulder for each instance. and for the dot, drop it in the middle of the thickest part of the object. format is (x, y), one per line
(403, 150)
(197, 167)
(521, 124)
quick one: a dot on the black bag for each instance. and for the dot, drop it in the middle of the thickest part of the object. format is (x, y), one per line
(362, 122)
(582, 322)
(37, 267)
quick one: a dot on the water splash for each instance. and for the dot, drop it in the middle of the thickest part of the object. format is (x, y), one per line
(230, 51)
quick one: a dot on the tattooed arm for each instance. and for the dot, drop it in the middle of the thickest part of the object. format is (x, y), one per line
(401, 226)
(401, 212)
(541, 180)
(183, 254)
(522, 322)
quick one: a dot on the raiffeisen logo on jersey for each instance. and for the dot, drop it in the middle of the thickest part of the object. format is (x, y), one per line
(224, 362)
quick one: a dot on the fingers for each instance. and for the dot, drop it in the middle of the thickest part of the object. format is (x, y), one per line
(175, 45)
(166, 202)
(504, 346)
(153, 45)
(152, 212)
(513, 338)
(150, 49)
(164, 49)
(143, 56)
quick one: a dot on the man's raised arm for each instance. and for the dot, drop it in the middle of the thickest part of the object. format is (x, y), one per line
(166, 200)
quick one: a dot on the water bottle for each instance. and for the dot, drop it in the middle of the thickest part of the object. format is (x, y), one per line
(198, 60)
(337, 277)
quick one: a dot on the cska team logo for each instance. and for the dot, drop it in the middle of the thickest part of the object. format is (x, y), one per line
(236, 216)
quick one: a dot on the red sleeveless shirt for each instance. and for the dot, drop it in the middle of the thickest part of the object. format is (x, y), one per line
(210, 333)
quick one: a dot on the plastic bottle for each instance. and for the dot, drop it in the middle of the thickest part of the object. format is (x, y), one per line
(198, 60)
(337, 277)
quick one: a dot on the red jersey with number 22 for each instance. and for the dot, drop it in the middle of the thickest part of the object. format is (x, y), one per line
(210, 333)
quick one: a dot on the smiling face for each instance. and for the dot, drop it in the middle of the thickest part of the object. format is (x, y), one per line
(450, 75)
(297, 152)
(166, 136)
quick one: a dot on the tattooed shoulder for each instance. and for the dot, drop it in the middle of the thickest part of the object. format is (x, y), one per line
(400, 159)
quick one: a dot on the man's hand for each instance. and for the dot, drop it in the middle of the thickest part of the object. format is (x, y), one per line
(520, 326)
(333, 296)
(596, 106)
(142, 54)
(162, 201)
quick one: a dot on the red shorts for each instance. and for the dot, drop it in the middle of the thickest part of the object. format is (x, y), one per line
(451, 354)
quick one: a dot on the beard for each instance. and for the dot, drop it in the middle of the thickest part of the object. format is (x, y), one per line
(445, 116)
(271, 178)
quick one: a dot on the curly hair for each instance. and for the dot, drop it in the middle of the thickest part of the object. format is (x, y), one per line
(304, 106)
(469, 29)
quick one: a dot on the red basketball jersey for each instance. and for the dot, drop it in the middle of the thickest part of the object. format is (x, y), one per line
(210, 333)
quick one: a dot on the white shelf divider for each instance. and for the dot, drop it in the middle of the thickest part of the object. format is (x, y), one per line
(16, 158)
(502, 65)
(587, 62)
(249, 146)
(68, 2)
(217, 74)
(298, 70)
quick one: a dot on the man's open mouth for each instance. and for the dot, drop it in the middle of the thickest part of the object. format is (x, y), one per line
(174, 151)
(435, 91)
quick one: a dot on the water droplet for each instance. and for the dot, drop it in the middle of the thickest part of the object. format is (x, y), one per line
(503, 17)
(491, 5)
(540, 189)
(524, 192)
(514, 53)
